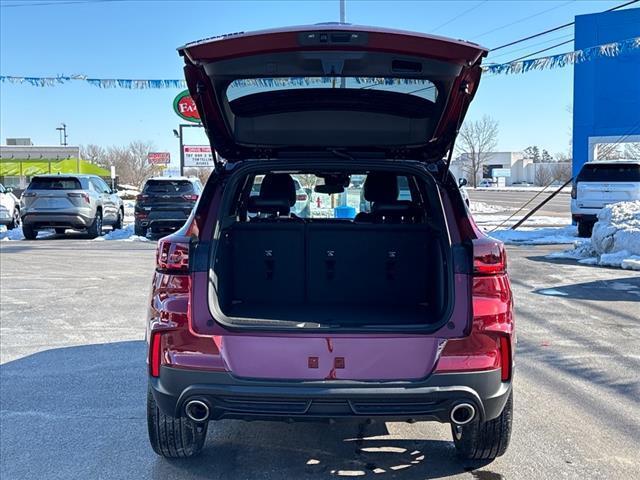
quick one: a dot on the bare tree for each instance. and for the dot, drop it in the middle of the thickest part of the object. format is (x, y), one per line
(202, 173)
(609, 151)
(131, 163)
(476, 140)
(542, 174)
(94, 154)
(561, 171)
(632, 151)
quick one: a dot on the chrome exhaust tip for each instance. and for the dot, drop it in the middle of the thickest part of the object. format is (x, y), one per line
(462, 414)
(197, 410)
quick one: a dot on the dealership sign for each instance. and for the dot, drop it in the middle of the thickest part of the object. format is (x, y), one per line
(198, 156)
(185, 107)
(159, 158)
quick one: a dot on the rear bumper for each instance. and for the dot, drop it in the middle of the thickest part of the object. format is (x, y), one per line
(584, 217)
(161, 223)
(68, 220)
(429, 399)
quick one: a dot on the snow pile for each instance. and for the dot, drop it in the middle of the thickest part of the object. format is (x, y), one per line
(16, 234)
(481, 207)
(537, 236)
(124, 234)
(615, 241)
(129, 208)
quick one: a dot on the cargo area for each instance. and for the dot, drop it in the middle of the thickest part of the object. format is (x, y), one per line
(385, 267)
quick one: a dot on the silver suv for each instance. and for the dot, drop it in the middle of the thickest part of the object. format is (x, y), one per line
(80, 202)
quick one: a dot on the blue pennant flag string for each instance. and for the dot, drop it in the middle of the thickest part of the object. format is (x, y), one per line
(624, 47)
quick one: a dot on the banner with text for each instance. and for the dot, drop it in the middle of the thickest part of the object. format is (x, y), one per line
(159, 158)
(198, 156)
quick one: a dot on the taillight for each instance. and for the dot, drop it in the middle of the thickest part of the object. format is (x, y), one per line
(488, 346)
(140, 214)
(155, 354)
(141, 197)
(302, 197)
(190, 197)
(489, 257)
(172, 256)
(84, 196)
(574, 191)
(28, 194)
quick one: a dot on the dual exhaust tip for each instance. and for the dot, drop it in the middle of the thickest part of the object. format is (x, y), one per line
(197, 411)
(462, 414)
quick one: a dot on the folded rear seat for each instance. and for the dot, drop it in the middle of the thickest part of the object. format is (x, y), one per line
(384, 264)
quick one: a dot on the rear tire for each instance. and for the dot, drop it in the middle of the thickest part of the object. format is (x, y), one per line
(585, 229)
(29, 232)
(95, 229)
(139, 231)
(15, 219)
(485, 440)
(118, 224)
(173, 437)
(60, 231)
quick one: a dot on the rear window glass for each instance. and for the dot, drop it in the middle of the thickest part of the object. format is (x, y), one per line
(313, 204)
(168, 186)
(593, 172)
(62, 183)
(419, 87)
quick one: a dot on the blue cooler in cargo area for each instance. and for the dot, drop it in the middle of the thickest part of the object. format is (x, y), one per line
(344, 211)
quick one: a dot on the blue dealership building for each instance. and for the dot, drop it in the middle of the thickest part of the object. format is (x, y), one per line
(606, 90)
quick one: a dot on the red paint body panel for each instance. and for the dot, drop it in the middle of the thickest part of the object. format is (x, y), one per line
(379, 39)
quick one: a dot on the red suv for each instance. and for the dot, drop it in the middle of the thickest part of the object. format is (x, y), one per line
(400, 313)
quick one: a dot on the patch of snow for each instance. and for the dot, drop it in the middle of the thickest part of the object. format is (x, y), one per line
(537, 236)
(521, 188)
(124, 234)
(486, 221)
(129, 207)
(589, 261)
(618, 229)
(552, 291)
(481, 207)
(615, 241)
(16, 234)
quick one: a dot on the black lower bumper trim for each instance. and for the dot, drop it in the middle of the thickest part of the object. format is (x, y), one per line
(429, 399)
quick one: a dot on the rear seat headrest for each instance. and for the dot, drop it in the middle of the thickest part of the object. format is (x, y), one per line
(381, 187)
(270, 206)
(278, 186)
(400, 211)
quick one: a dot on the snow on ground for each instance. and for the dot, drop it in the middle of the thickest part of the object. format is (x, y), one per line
(488, 221)
(481, 207)
(520, 188)
(537, 236)
(16, 234)
(129, 206)
(615, 241)
(124, 234)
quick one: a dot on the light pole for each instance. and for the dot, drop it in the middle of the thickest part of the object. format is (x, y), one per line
(63, 134)
(179, 134)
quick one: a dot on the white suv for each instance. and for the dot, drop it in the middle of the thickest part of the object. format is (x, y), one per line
(599, 184)
(9, 208)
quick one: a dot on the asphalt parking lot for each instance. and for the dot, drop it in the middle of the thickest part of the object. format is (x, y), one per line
(72, 394)
(559, 206)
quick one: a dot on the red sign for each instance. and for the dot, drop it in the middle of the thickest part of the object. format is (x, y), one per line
(159, 158)
(185, 107)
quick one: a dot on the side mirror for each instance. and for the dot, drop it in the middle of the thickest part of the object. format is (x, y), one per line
(462, 182)
(9, 190)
